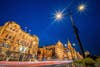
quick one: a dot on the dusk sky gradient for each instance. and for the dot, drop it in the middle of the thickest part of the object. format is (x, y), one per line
(37, 15)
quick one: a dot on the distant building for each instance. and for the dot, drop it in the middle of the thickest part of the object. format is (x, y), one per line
(58, 51)
(14, 39)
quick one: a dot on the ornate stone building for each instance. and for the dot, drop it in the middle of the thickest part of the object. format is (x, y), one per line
(47, 52)
(70, 53)
(15, 40)
(16, 44)
(58, 51)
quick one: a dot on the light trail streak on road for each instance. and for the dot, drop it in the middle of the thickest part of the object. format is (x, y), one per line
(31, 64)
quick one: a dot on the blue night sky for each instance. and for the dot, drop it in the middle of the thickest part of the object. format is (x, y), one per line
(37, 15)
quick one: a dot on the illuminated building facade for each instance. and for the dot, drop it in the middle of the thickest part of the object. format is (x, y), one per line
(16, 42)
(46, 53)
(58, 51)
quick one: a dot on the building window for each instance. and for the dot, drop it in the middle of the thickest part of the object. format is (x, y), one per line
(17, 41)
(6, 45)
(6, 36)
(13, 29)
(30, 46)
(1, 45)
(5, 39)
(39, 52)
(10, 28)
(9, 37)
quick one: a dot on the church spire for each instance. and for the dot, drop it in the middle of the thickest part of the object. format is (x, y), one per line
(69, 45)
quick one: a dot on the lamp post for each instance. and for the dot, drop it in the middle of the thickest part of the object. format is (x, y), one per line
(59, 15)
(77, 35)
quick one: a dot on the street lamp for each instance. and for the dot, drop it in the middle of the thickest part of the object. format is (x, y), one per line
(73, 44)
(60, 15)
(65, 45)
(81, 7)
(25, 29)
(29, 31)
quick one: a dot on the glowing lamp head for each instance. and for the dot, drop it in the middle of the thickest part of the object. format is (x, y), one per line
(73, 44)
(58, 15)
(81, 7)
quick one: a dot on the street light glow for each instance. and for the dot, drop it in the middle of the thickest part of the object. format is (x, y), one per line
(74, 44)
(58, 15)
(81, 7)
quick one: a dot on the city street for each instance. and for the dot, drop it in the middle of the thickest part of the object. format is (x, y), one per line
(34, 64)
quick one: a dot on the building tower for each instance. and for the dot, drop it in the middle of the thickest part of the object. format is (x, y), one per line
(59, 50)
